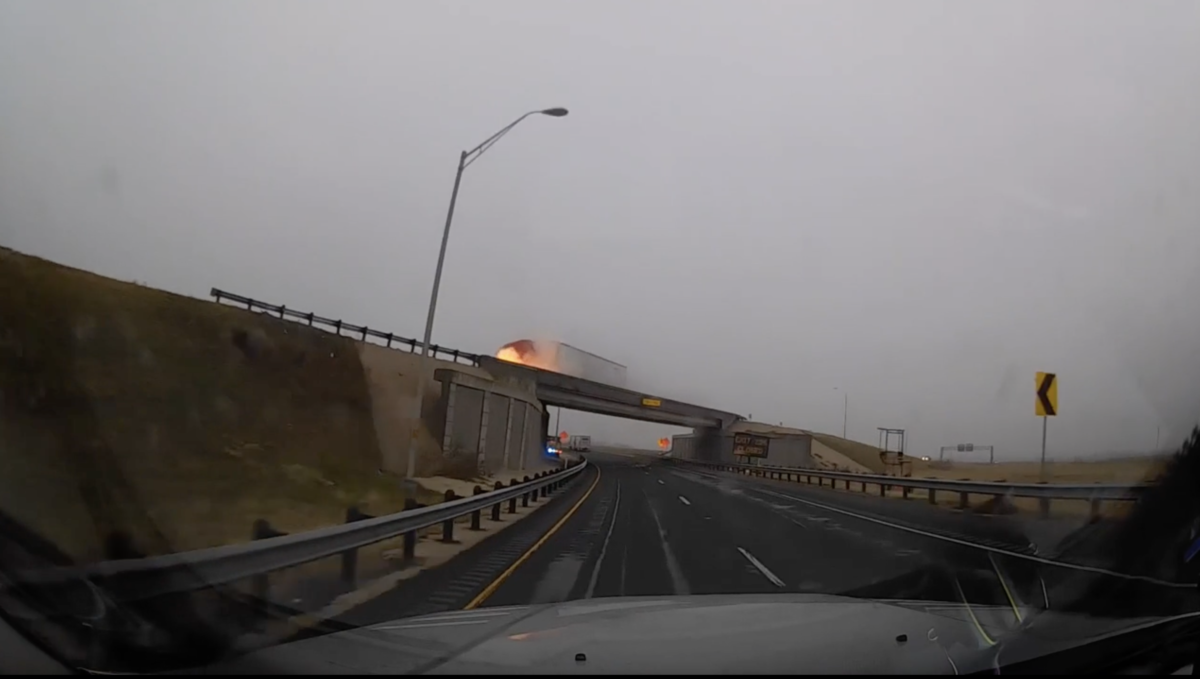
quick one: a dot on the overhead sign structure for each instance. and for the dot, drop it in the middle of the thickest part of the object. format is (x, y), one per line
(749, 445)
(651, 402)
(1046, 404)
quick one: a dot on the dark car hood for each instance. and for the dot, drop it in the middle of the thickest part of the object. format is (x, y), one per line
(734, 634)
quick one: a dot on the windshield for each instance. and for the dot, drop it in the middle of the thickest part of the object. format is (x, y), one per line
(812, 303)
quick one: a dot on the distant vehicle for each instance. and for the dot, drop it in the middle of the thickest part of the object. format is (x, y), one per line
(565, 359)
(581, 444)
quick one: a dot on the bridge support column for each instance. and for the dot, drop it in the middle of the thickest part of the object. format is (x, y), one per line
(709, 444)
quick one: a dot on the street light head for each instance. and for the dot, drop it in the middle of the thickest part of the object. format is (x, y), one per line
(555, 112)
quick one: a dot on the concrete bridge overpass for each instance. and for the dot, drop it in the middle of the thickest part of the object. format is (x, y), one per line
(594, 397)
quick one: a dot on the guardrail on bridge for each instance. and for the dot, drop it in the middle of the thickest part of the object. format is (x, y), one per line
(338, 326)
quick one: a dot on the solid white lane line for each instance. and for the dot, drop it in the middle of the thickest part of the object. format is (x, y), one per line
(761, 568)
(974, 545)
(684, 500)
(604, 547)
(678, 580)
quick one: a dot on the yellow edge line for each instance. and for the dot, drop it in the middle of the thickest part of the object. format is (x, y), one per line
(491, 589)
(971, 612)
(1003, 583)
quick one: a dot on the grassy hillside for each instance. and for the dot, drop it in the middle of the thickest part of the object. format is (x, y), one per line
(173, 419)
(862, 453)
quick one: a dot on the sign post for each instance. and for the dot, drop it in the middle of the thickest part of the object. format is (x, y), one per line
(1045, 406)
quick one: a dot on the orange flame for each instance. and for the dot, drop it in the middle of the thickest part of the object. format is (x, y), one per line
(524, 352)
(509, 354)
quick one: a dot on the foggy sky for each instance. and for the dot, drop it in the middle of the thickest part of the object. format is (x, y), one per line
(750, 204)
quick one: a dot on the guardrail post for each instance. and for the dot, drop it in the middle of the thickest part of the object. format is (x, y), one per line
(260, 585)
(883, 490)
(475, 514)
(904, 492)
(525, 495)
(410, 538)
(962, 500)
(864, 486)
(533, 494)
(496, 507)
(1094, 510)
(932, 496)
(448, 524)
(350, 556)
(1044, 506)
(512, 502)
(545, 488)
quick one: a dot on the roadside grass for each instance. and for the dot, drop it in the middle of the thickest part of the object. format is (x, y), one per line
(174, 420)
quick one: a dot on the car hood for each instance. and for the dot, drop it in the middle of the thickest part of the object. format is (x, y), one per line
(740, 634)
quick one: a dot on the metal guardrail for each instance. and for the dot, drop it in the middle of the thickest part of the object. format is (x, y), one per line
(1092, 492)
(135, 579)
(338, 326)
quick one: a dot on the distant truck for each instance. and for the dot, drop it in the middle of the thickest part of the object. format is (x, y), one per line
(565, 359)
(579, 444)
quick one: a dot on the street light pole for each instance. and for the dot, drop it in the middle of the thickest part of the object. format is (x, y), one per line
(437, 273)
(845, 408)
(845, 411)
(464, 160)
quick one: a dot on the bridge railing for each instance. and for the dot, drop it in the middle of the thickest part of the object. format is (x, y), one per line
(338, 326)
(1094, 493)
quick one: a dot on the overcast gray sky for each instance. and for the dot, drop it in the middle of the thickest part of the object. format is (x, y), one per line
(750, 204)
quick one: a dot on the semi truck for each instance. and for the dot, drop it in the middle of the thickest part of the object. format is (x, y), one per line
(565, 359)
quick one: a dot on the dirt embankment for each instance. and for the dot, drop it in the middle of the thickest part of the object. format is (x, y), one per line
(859, 456)
(828, 458)
(175, 420)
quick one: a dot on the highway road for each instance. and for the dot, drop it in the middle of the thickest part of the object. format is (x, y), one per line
(653, 528)
(640, 526)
